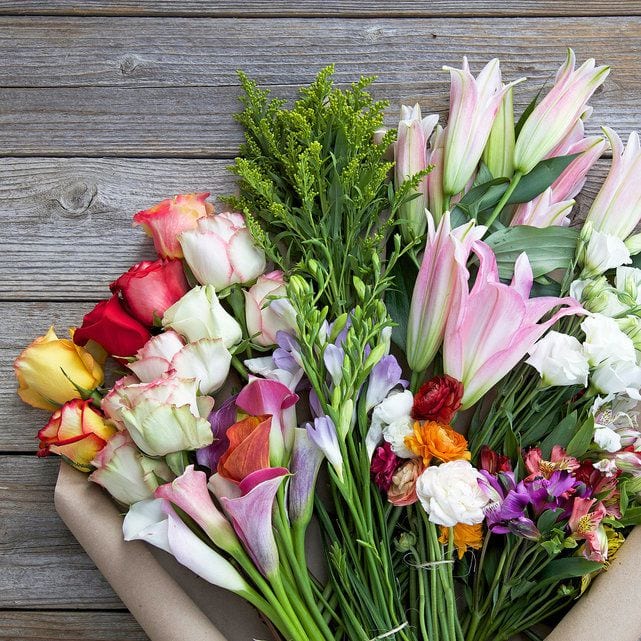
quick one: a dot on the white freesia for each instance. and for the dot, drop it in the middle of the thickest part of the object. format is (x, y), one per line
(604, 341)
(450, 493)
(199, 314)
(397, 406)
(560, 360)
(604, 252)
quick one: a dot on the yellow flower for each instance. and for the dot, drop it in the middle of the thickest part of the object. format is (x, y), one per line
(435, 440)
(44, 370)
(465, 536)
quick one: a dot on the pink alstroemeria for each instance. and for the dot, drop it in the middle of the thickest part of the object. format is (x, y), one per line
(262, 396)
(543, 212)
(442, 276)
(410, 156)
(616, 210)
(474, 104)
(189, 492)
(585, 524)
(251, 515)
(556, 115)
(491, 327)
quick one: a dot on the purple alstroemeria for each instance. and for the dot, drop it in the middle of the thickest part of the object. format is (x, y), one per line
(220, 419)
(383, 378)
(251, 516)
(551, 493)
(306, 461)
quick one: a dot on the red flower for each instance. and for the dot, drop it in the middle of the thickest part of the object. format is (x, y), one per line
(384, 464)
(493, 462)
(150, 287)
(438, 400)
(109, 325)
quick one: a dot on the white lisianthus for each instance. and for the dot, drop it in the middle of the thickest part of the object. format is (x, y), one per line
(598, 296)
(613, 376)
(396, 407)
(199, 314)
(628, 281)
(450, 493)
(604, 252)
(395, 434)
(605, 341)
(560, 360)
(607, 439)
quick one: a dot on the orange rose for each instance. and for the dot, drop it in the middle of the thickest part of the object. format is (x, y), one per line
(248, 449)
(465, 536)
(76, 432)
(403, 489)
(434, 440)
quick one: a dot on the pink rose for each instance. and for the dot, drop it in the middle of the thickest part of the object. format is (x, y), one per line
(149, 288)
(165, 221)
(402, 490)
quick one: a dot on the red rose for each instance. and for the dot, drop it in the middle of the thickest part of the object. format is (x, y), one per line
(438, 400)
(109, 325)
(151, 287)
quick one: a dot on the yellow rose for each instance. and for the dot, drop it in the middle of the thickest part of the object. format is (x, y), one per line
(43, 367)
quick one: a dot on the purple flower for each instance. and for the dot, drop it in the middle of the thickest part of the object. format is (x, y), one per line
(383, 378)
(221, 419)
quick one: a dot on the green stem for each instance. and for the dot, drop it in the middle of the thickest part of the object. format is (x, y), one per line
(239, 367)
(506, 196)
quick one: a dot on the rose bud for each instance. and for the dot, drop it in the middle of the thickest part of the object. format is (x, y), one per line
(165, 221)
(77, 432)
(126, 473)
(110, 326)
(438, 400)
(402, 489)
(220, 251)
(45, 371)
(267, 311)
(149, 288)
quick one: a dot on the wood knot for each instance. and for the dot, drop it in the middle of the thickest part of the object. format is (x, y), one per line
(129, 64)
(77, 197)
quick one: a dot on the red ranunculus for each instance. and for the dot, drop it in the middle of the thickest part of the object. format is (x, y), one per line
(384, 464)
(151, 287)
(111, 326)
(438, 400)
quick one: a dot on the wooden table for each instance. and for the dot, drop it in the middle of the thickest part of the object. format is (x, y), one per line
(108, 107)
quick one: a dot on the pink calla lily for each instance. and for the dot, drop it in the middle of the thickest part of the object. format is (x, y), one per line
(492, 326)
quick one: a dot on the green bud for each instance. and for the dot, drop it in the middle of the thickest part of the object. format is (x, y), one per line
(374, 356)
(498, 154)
(359, 286)
(631, 327)
(338, 326)
(634, 244)
(405, 542)
(345, 418)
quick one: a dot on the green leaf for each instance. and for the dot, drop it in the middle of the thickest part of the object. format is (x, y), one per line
(632, 516)
(539, 179)
(568, 568)
(547, 248)
(482, 197)
(548, 520)
(483, 175)
(580, 442)
(560, 435)
(399, 296)
(526, 114)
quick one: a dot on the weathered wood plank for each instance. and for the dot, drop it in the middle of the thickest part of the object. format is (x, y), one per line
(41, 565)
(170, 52)
(69, 626)
(315, 8)
(66, 222)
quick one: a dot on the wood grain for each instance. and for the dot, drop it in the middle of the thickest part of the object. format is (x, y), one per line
(41, 565)
(69, 626)
(316, 8)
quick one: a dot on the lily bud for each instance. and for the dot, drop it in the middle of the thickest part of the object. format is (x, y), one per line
(498, 154)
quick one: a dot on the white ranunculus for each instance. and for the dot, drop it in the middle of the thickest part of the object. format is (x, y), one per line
(607, 439)
(604, 252)
(560, 360)
(450, 493)
(605, 341)
(199, 314)
(613, 376)
(395, 434)
(397, 406)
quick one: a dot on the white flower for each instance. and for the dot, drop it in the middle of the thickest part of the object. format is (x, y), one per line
(199, 314)
(397, 406)
(395, 434)
(628, 280)
(206, 360)
(604, 252)
(607, 439)
(560, 360)
(450, 493)
(606, 466)
(612, 376)
(605, 341)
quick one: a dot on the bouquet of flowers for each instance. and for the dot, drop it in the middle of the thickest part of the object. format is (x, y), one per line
(394, 335)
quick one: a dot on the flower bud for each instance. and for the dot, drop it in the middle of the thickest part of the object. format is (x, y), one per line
(498, 154)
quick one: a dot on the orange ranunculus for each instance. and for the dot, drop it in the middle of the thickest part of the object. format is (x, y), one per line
(46, 368)
(465, 536)
(434, 440)
(76, 431)
(248, 449)
(402, 491)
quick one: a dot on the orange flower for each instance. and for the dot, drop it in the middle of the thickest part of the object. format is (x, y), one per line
(403, 489)
(435, 440)
(465, 536)
(248, 449)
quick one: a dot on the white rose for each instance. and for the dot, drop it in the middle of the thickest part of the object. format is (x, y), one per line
(450, 493)
(560, 360)
(607, 439)
(604, 252)
(613, 376)
(605, 341)
(199, 314)
(397, 406)
(395, 434)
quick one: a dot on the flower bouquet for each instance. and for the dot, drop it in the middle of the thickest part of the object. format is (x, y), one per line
(395, 337)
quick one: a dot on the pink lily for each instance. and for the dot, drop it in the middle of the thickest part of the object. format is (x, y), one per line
(617, 208)
(435, 153)
(410, 155)
(491, 327)
(442, 276)
(543, 212)
(251, 516)
(556, 115)
(474, 104)
(586, 525)
(189, 492)
(263, 396)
